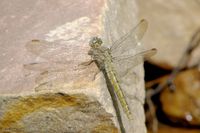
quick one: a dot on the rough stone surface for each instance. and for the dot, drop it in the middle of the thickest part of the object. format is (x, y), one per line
(67, 26)
(50, 113)
(171, 25)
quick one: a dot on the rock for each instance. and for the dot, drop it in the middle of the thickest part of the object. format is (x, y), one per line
(182, 105)
(65, 26)
(53, 112)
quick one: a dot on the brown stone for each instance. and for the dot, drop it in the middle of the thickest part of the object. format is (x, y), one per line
(182, 105)
(53, 112)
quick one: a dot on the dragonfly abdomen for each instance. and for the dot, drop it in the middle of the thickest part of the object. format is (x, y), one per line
(117, 88)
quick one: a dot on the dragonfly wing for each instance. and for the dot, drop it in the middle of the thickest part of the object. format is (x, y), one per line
(50, 81)
(50, 51)
(47, 76)
(47, 71)
(129, 40)
(45, 66)
(124, 64)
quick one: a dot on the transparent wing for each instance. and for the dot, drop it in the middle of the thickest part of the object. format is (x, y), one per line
(50, 51)
(50, 80)
(130, 40)
(59, 64)
(48, 72)
(54, 69)
(45, 66)
(48, 76)
(123, 64)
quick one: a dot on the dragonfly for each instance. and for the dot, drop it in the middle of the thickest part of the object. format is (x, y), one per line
(116, 61)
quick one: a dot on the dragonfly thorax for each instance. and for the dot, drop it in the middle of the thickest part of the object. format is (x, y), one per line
(99, 53)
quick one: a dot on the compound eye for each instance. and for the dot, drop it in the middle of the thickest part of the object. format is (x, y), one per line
(95, 42)
(92, 41)
(100, 41)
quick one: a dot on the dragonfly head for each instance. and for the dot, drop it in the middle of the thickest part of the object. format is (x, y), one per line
(95, 42)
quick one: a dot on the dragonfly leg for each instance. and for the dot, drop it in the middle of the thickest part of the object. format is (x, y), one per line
(87, 63)
(96, 73)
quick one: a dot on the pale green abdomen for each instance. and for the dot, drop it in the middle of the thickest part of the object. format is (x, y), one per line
(117, 88)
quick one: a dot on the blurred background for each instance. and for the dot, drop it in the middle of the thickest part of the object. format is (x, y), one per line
(173, 74)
